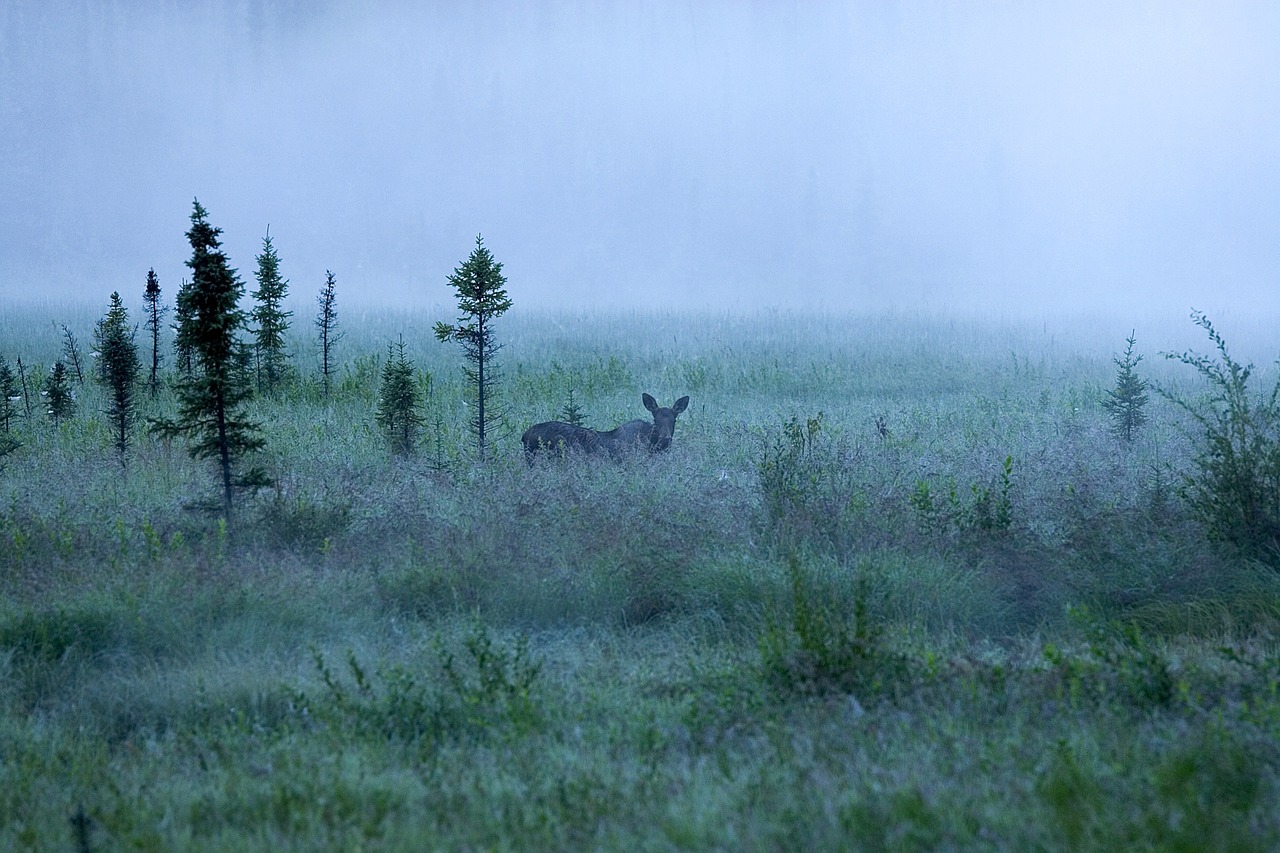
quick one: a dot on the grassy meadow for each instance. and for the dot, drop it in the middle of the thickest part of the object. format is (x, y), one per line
(895, 586)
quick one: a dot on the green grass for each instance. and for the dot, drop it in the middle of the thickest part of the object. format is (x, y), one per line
(989, 626)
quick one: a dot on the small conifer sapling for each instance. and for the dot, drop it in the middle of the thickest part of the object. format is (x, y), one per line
(60, 404)
(398, 401)
(1127, 402)
(271, 321)
(327, 325)
(572, 412)
(117, 370)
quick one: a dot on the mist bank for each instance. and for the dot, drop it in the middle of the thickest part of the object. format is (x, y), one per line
(668, 155)
(33, 330)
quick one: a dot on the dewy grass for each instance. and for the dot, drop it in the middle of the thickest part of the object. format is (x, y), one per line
(667, 652)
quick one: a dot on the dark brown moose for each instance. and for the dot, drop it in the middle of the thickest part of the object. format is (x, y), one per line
(634, 435)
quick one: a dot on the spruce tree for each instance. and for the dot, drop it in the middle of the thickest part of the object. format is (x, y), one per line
(572, 412)
(481, 298)
(60, 404)
(182, 333)
(10, 393)
(398, 401)
(1126, 404)
(155, 312)
(270, 319)
(211, 401)
(327, 323)
(71, 352)
(117, 370)
(26, 389)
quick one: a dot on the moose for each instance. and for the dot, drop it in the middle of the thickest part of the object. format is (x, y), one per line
(652, 436)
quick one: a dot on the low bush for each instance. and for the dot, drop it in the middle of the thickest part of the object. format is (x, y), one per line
(487, 688)
(1234, 487)
(825, 639)
(812, 493)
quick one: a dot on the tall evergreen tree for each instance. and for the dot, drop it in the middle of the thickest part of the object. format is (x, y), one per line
(327, 323)
(479, 285)
(398, 401)
(182, 332)
(9, 395)
(155, 311)
(211, 414)
(117, 369)
(270, 319)
(60, 404)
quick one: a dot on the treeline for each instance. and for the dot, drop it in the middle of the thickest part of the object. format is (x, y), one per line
(225, 356)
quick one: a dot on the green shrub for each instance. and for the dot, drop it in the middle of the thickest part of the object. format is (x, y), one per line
(1206, 792)
(47, 648)
(823, 642)
(987, 508)
(1141, 672)
(418, 589)
(1234, 487)
(1203, 794)
(486, 689)
(1074, 795)
(360, 377)
(303, 523)
(810, 487)
(46, 636)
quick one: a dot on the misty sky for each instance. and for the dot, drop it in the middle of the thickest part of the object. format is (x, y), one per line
(664, 154)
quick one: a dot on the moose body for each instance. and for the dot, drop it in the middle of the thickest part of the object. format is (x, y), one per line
(651, 436)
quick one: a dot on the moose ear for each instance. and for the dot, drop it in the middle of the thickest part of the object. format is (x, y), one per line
(649, 403)
(680, 405)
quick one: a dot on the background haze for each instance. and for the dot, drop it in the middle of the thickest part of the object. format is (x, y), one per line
(993, 156)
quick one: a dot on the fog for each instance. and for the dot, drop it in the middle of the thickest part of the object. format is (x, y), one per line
(1001, 156)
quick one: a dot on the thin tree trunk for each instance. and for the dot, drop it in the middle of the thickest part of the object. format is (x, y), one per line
(324, 353)
(155, 344)
(480, 384)
(26, 393)
(224, 459)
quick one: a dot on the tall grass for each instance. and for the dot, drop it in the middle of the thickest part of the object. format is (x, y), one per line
(955, 613)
